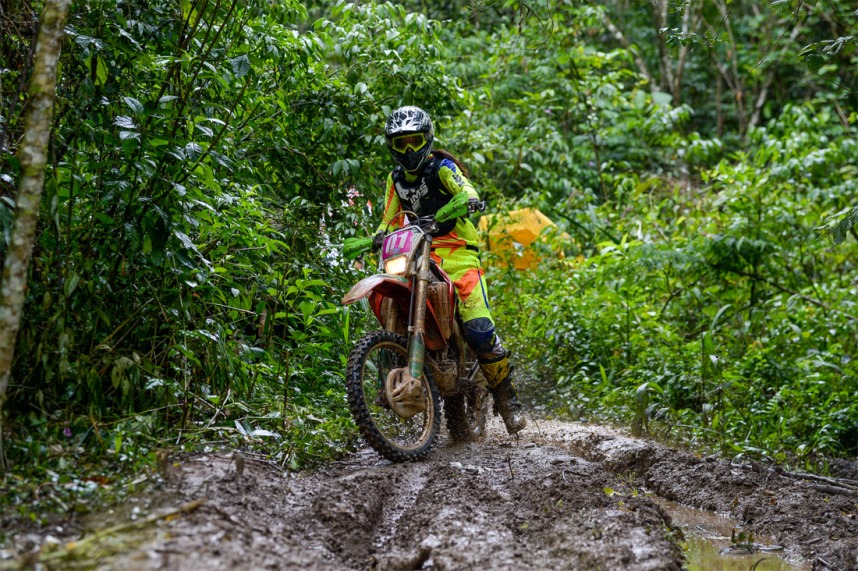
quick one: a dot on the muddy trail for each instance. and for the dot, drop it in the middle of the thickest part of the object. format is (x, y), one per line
(561, 496)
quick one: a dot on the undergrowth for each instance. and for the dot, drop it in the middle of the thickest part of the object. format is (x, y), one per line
(67, 466)
(722, 317)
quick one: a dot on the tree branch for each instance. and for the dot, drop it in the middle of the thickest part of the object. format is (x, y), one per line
(799, 295)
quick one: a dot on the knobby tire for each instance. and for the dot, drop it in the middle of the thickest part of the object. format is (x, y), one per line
(360, 409)
(457, 419)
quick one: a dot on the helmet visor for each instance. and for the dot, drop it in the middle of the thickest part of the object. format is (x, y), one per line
(403, 143)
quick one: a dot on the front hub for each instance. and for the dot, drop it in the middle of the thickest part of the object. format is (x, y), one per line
(404, 393)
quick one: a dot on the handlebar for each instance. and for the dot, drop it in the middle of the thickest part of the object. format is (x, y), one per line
(427, 223)
(355, 247)
(477, 207)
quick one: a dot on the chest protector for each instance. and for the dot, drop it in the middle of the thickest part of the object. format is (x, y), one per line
(424, 195)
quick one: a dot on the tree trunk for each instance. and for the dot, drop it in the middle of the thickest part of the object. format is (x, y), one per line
(690, 24)
(659, 16)
(719, 114)
(738, 86)
(32, 156)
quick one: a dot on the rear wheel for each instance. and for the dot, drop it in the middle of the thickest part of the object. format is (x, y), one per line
(372, 364)
(477, 408)
(457, 419)
(466, 412)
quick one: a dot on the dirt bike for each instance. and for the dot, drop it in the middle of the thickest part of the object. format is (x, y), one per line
(398, 376)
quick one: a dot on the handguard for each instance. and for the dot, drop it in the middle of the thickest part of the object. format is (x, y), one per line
(354, 247)
(456, 208)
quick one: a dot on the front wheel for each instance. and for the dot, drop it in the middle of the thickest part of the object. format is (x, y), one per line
(397, 438)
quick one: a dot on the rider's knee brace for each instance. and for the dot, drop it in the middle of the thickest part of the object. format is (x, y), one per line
(480, 336)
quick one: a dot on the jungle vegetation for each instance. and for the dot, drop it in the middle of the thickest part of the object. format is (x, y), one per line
(207, 159)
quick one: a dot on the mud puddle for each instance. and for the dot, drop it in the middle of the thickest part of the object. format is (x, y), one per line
(715, 543)
(562, 496)
(814, 519)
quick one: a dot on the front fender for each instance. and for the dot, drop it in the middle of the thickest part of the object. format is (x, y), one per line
(385, 284)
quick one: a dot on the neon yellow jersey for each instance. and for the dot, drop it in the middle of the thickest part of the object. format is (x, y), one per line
(452, 181)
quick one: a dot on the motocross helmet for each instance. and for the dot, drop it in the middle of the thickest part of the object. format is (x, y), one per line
(410, 134)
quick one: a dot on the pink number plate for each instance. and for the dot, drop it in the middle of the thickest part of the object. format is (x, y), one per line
(398, 243)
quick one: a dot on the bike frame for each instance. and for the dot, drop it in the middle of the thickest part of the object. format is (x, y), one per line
(392, 297)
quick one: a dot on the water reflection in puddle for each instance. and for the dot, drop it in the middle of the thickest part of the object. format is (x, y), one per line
(706, 534)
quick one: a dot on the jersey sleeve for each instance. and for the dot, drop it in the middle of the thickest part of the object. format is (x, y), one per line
(464, 234)
(392, 206)
(454, 181)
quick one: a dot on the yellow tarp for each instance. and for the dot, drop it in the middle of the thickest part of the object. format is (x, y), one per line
(511, 235)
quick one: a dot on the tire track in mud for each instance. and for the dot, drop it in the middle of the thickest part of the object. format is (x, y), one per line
(563, 496)
(403, 497)
(359, 512)
(497, 504)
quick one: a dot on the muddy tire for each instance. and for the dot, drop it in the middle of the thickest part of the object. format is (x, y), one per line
(477, 410)
(395, 438)
(457, 419)
(466, 414)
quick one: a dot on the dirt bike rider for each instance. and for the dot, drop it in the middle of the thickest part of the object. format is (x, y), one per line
(428, 182)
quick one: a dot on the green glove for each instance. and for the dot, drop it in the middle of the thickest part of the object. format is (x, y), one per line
(354, 247)
(456, 208)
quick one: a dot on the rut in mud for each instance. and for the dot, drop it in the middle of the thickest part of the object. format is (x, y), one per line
(496, 504)
(562, 496)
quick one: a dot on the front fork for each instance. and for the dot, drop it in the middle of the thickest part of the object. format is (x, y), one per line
(417, 325)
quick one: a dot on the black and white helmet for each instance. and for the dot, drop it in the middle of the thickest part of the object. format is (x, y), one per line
(410, 134)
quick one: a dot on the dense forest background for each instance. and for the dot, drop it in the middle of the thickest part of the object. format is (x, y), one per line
(208, 157)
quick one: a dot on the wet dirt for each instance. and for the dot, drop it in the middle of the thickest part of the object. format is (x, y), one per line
(561, 496)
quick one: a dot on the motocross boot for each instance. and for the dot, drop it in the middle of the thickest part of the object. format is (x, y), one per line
(498, 376)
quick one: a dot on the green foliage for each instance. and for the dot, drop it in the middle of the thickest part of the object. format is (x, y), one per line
(77, 466)
(730, 325)
(205, 159)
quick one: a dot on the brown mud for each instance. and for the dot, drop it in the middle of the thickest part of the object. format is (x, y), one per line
(561, 496)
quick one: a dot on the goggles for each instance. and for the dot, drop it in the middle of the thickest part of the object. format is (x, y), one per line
(414, 142)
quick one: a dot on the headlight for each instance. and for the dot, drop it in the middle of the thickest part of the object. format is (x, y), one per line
(396, 266)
